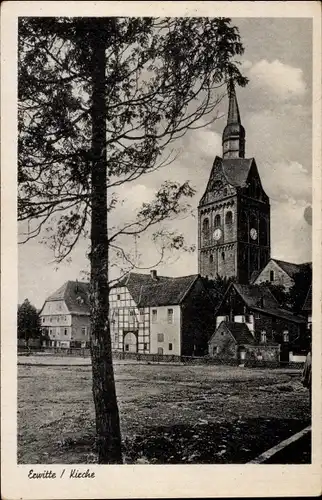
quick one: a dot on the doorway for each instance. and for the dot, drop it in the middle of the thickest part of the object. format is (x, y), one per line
(130, 341)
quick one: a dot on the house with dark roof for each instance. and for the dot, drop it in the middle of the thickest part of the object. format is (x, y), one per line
(278, 272)
(233, 340)
(257, 308)
(65, 316)
(161, 315)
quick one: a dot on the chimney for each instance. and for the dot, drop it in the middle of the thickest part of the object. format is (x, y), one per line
(153, 274)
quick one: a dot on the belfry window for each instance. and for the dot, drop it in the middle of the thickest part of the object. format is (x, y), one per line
(217, 220)
(205, 228)
(229, 217)
(262, 231)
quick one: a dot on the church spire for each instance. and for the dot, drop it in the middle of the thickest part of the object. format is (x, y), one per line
(233, 139)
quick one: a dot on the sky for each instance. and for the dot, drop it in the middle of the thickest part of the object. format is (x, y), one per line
(276, 112)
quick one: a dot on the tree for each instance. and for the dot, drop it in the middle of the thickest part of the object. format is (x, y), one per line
(279, 292)
(219, 286)
(299, 289)
(100, 102)
(28, 321)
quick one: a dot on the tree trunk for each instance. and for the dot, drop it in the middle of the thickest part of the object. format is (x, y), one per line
(104, 394)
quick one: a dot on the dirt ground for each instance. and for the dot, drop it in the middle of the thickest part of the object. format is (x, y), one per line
(169, 413)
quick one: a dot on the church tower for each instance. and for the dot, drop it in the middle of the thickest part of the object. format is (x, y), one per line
(234, 212)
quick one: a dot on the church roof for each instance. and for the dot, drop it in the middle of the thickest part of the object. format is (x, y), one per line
(289, 267)
(236, 170)
(233, 109)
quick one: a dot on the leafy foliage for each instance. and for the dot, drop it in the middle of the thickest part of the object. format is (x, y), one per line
(28, 321)
(279, 292)
(218, 286)
(300, 288)
(163, 77)
(100, 101)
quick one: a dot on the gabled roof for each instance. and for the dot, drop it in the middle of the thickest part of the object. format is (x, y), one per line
(75, 295)
(157, 291)
(136, 281)
(289, 267)
(307, 306)
(256, 295)
(260, 298)
(239, 331)
(236, 170)
(171, 291)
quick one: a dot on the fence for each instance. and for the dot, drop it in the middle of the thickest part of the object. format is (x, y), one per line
(160, 358)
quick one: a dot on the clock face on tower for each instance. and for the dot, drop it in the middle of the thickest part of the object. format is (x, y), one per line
(217, 234)
(253, 233)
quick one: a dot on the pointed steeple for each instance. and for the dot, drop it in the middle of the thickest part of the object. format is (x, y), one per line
(233, 139)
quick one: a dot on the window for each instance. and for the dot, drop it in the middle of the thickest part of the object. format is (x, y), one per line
(132, 312)
(145, 347)
(154, 315)
(285, 336)
(170, 316)
(170, 347)
(58, 319)
(160, 350)
(216, 349)
(160, 337)
(229, 218)
(65, 331)
(248, 318)
(217, 220)
(223, 255)
(263, 337)
(84, 330)
(257, 316)
(271, 276)
(51, 319)
(205, 228)
(141, 311)
(225, 191)
(118, 297)
(43, 320)
(50, 331)
(127, 348)
(263, 231)
(211, 259)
